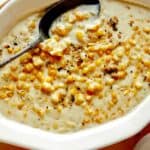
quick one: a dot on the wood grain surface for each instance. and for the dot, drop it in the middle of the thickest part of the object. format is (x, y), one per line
(128, 144)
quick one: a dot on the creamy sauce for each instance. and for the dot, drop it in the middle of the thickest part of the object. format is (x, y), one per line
(92, 70)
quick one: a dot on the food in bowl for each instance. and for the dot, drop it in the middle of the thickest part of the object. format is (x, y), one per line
(90, 71)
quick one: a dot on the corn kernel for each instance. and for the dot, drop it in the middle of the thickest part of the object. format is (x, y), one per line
(138, 85)
(80, 36)
(62, 30)
(114, 98)
(47, 87)
(119, 75)
(94, 87)
(123, 66)
(70, 79)
(81, 16)
(32, 25)
(23, 86)
(13, 77)
(37, 86)
(132, 42)
(10, 94)
(98, 119)
(35, 72)
(20, 105)
(146, 63)
(17, 49)
(28, 68)
(36, 50)
(127, 46)
(21, 93)
(49, 79)
(94, 28)
(32, 77)
(52, 72)
(43, 55)
(100, 32)
(89, 111)
(3, 95)
(79, 99)
(147, 50)
(10, 87)
(55, 98)
(10, 50)
(39, 111)
(14, 68)
(146, 29)
(109, 81)
(70, 18)
(40, 76)
(101, 47)
(59, 108)
(89, 68)
(23, 76)
(148, 76)
(73, 91)
(98, 62)
(37, 61)
(60, 85)
(25, 58)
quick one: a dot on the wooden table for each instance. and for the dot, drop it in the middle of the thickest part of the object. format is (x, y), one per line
(125, 145)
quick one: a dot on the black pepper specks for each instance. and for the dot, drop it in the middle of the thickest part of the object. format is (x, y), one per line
(113, 22)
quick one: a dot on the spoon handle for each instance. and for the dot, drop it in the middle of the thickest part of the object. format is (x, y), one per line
(26, 49)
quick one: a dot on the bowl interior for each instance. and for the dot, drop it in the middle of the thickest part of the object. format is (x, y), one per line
(90, 138)
(15, 10)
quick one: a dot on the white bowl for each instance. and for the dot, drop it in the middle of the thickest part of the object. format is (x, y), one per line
(98, 137)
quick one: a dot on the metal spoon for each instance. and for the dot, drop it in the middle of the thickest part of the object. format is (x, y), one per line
(53, 12)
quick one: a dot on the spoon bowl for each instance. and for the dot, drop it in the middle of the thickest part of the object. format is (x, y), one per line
(56, 10)
(47, 20)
